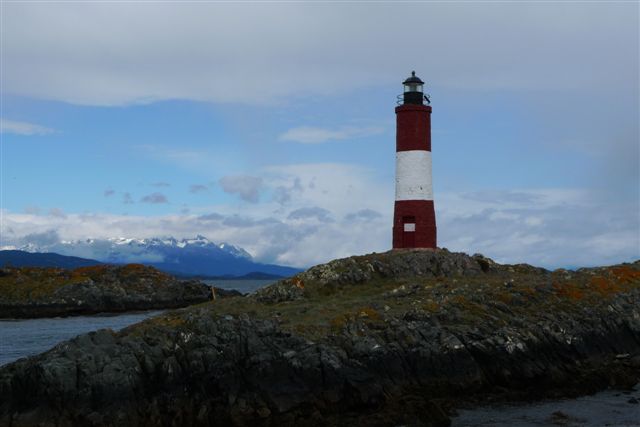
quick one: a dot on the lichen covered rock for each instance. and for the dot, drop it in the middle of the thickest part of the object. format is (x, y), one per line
(422, 332)
(29, 292)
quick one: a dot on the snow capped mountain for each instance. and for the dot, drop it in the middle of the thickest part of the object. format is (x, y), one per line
(196, 256)
(121, 247)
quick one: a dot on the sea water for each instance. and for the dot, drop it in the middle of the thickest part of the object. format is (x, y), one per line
(244, 286)
(613, 408)
(27, 337)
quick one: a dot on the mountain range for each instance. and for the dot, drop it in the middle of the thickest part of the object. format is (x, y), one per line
(186, 257)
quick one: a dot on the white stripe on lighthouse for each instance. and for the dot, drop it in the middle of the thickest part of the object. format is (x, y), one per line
(413, 175)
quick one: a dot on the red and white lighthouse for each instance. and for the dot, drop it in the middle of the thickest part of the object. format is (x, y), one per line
(414, 217)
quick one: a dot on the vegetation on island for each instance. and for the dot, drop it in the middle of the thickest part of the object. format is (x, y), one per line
(399, 338)
(27, 292)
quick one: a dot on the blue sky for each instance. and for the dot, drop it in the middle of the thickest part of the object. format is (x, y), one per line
(271, 125)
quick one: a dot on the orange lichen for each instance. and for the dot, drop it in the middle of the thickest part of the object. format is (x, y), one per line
(626, 274)
(339, 322)
(505, 297)
(604, 286)
(431, 306)
(569, 290)
(90, 271)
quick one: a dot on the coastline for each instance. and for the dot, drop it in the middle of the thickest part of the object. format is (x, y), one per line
(400, 337)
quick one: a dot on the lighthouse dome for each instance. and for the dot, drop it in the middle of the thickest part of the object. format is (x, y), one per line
(413, 80)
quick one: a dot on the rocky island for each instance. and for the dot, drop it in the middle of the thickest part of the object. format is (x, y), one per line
(399, 338)
(31, 292)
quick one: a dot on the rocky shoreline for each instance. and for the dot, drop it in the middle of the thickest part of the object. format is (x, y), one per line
(30, 292)
(389, 339)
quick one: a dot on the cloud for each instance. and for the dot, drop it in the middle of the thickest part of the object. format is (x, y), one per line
(210, 217)
(198, 188)
(363, 215)
(154, 199)
(282, 194)
(127, 199)
(109, 192)
(247, 187)
(23, 128)
(34, 210)
(199, 160)
(301, 58)
(44, 238)
(57, 212)
(315, 212)
(546, 227)
(315, 135)
(160, 184)
(340, 188)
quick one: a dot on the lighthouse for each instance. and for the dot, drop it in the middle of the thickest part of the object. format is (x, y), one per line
(414, 217)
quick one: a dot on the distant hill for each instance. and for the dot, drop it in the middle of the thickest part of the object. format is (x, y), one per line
(197, 257)
(48, 259)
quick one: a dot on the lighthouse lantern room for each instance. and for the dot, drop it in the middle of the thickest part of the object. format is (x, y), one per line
(414, 219)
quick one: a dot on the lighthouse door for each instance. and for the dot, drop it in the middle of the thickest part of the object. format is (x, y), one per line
(409, 231)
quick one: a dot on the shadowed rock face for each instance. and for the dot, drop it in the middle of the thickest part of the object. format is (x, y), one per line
(31, 292)
(355, 345)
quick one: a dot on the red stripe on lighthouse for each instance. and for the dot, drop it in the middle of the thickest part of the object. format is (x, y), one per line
(421, 214)
(413, 127)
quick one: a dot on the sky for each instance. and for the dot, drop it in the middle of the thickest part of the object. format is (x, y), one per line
(271, 125)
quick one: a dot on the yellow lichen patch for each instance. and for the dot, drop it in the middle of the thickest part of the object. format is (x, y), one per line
(31, 283)
(339, 322)
(368, 313)
(431, 306)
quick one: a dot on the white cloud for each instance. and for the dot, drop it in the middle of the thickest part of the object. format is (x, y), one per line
(341, 188)
(311, 213)
(546, 227)
(316, 135)
(121, 53)
(23, 128)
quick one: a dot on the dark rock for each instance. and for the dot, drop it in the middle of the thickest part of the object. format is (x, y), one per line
(393, 360)
(45, 292)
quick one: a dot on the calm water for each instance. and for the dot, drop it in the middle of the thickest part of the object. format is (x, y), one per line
(608, 408)
(244, 286)
(21, 338)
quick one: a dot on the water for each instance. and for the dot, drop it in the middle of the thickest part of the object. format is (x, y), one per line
(244, 286)
(608, 408)
(21, 338)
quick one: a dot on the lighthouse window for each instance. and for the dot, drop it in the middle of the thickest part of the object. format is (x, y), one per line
(409, 227)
